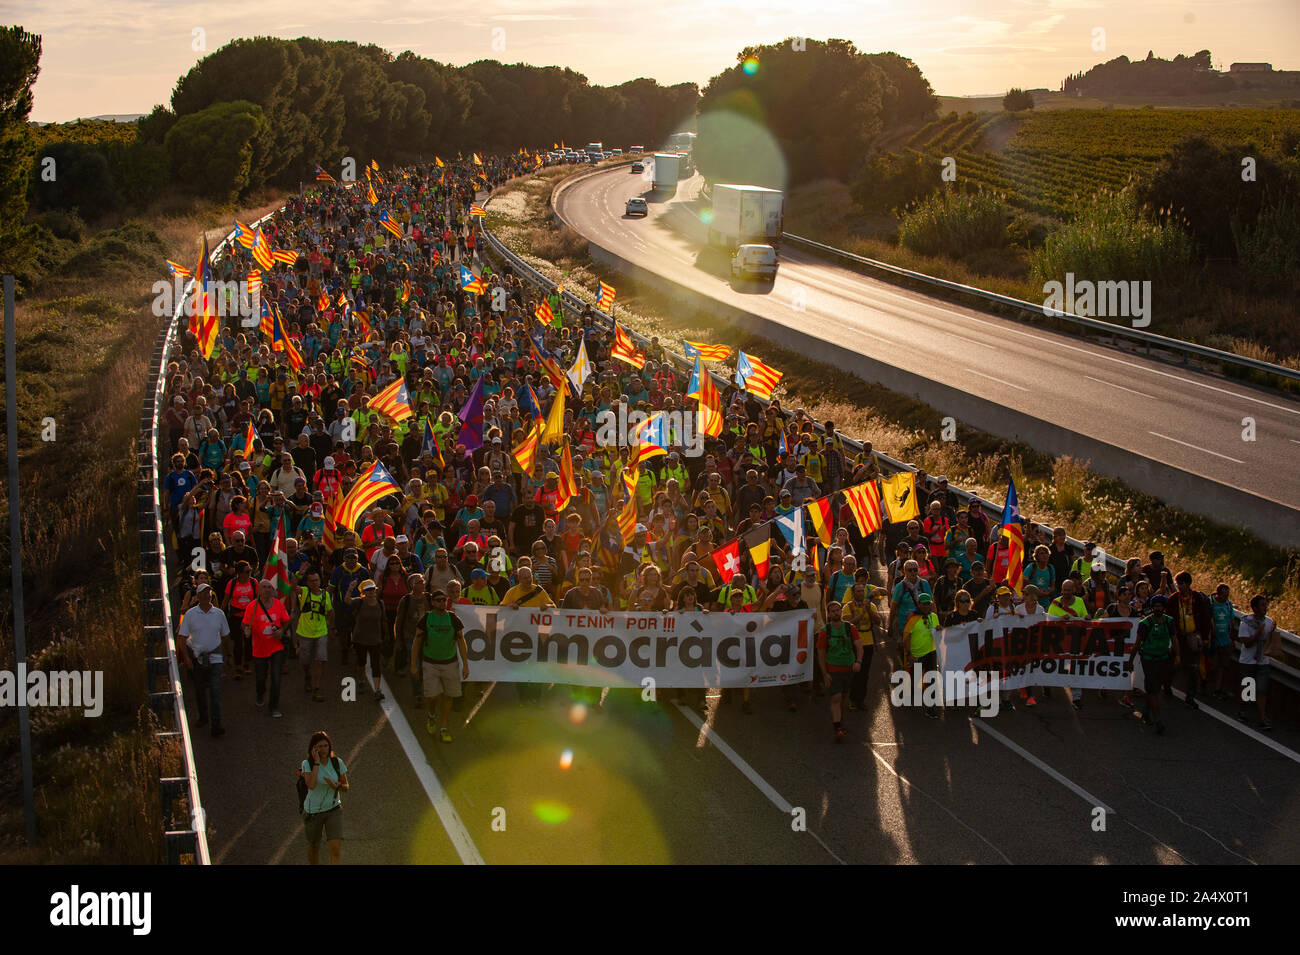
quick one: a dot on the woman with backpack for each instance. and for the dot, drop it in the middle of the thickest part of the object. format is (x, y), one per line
(321, 779)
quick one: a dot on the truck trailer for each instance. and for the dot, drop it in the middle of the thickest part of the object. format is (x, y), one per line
(745, 214)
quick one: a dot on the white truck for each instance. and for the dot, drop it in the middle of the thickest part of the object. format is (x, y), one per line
(744, 214)
(667, 171)
(596, 151)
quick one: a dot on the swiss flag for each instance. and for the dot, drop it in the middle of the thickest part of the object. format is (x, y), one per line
(727, 559)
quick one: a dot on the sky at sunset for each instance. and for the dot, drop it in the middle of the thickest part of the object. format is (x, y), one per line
(124, 56)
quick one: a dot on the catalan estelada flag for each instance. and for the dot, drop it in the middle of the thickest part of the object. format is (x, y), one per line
(568, 483)
(710, 413)
(605, 297)
(267, 326)
(243, 234)
(755, 377)
(322, 175)
(261, 249)
(651, 438)
(249, 437)
(1015, 536)
(389, 223)
(627, 516)
(370, 195)
(469, 282)
(285, 256)
(819, 512)
(476, 211)
(295, 357)
(363, 322)
(394, 401)
(203, 319)
(372, 486)
(864, 503)
(255, 283)
(543, 313)
(175, 268)
(625, 349)
(430, 445)
(706, 352)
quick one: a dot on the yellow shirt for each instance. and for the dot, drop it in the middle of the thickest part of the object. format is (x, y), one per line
(517, 593)
(920, 633)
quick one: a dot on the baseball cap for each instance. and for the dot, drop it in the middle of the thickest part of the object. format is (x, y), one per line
(552, 474)
(201, 587)
(245, 466)
(924, 599)
(1004, 590)
(471, 500)
(401, 538)
(1160, 599)
(367, 585)
(478, 573)
(641, 529)
(329, 464)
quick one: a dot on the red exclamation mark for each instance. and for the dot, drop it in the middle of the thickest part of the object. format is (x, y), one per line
(802, 655)
(668, 624)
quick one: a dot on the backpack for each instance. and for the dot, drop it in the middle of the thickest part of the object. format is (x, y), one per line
(302, 783)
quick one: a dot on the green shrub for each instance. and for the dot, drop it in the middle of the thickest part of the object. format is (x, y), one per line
(955, 223)
(1111, 240)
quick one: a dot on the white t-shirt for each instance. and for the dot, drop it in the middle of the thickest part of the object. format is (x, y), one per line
(994, 611)
(1263, 630)
(205, 631)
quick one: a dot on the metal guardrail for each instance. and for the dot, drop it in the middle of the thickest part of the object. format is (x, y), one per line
(1085, 324)
(1285, 674)
(159, 630)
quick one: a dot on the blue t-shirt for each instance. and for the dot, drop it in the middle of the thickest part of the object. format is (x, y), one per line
(178, 484)
(324, 796)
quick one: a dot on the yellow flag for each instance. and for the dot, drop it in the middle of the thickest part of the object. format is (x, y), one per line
(899, 493)
(440, 163)
(477, 161)
(554, 432)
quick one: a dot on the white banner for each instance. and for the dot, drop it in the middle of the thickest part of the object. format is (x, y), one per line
(588, 648)
(1038, 650)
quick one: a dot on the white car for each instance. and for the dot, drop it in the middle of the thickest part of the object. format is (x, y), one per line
(754, 261)
(637, 206)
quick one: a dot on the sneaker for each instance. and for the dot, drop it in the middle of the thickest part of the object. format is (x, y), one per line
(431, 726)
(840, 734)
(1126, 701)
(1009, 705)
(1077, 704)
(1191, 704)
(218, 731)
(1265, 725)
(1030, 701)
(261, 701)
(446, 735)
(276, 714)
(1146, 719)
(318, 697)
(379, 695)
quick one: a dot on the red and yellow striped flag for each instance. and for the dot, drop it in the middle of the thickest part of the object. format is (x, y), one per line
(625, 349)
(372, 486)
(331, 519)
(706, 352)
(605, 297)
(394, 401)
(755, 377)
(525, 453)
(568, 483)
(819, 511)
(249, 437)
(261, 249)
(544, 314)
(285, 256)
(864, 502)
(627, 516)
(710, 405)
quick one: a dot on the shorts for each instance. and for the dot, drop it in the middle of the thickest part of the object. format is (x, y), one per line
(840, 681)
(330, 823)
(312, 648)
(440, 678)
(1259, 673)
(1154, 674)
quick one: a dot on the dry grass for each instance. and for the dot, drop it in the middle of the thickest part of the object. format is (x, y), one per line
(84, 339)
(1121, 520)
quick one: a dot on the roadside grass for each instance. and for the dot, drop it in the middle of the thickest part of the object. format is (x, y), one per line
(1053, 491)
(85, 335)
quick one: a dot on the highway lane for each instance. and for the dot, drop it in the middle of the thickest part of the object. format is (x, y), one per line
(646, 785)
(1187, 419)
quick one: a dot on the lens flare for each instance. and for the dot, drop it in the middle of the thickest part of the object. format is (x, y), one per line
(578, 712)
(566, 759)
(551, 812)
(706, 216)
(750, 66)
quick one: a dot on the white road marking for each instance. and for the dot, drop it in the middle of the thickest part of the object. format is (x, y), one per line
(1243, 728)
(748, 771)
(1195, 447)
(982, 725)
(451, 820)
(1111, 384)
(1099, 353)
(994, 378)
(911, 785)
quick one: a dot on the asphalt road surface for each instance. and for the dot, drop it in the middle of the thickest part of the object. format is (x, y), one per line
(1183, 418)
(667, 783)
